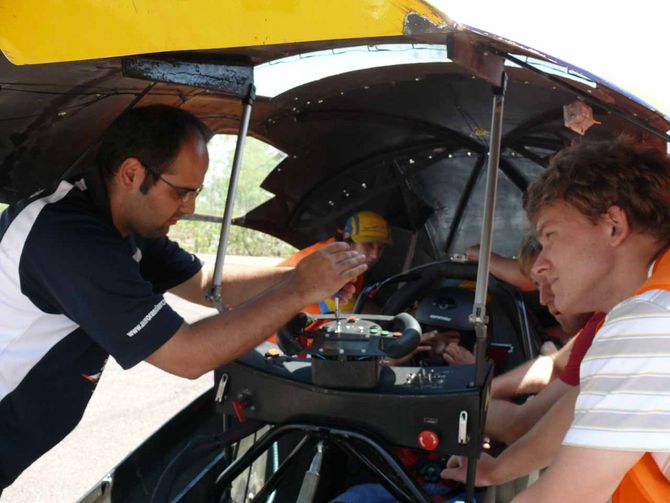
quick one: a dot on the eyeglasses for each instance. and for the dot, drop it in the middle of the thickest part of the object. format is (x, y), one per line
(186, 194)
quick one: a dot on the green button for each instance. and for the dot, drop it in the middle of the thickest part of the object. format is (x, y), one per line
(385, 332)
(374, 330)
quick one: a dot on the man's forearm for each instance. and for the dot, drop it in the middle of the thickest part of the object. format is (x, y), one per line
(531, 377)
(212, 342)
(238, 283)
(507, 421)
(540, 446)
(507, 385)
(209, 343)
(501, 419)
(535, 450)
(507, 269)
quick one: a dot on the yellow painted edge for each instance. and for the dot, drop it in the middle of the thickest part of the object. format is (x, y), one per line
(35, 31)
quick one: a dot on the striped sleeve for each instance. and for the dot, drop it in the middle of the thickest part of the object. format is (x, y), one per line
(624, 400)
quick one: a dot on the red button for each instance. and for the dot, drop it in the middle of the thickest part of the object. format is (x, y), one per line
(238, 407)
(429, 440)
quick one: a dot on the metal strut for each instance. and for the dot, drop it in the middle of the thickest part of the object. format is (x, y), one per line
(478, 318)
(401, 485)
(214, 295)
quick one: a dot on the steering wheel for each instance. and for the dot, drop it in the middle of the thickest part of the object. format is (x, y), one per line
(287, 335)
(407, 340)
(429, 275)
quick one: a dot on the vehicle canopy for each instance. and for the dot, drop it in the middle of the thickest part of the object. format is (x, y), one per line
(408, 141)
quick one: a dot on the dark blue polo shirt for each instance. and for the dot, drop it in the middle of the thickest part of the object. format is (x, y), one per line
(72, 292)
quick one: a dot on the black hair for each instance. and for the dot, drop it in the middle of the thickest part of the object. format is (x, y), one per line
(152, 134)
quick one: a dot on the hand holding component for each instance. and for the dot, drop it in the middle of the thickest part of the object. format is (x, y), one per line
(454, 354)
(325, 271)
(346, 293)
(337, 311)
(457, 468)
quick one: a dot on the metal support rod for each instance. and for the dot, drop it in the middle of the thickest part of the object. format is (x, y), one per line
(278, 475)
(214, 295)
(232, 471)
(232, 437)
(478, 317)
(338, 435)
(411, 252)
(471, 473)
(228, 451)
(389, 484)
(310, 482)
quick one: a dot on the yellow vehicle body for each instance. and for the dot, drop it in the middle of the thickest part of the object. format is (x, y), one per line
(34, 31)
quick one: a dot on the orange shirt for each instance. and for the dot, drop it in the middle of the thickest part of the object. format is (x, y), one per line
(326, 305)
(645, 483)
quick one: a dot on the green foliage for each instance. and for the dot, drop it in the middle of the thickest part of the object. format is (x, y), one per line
(203, 237)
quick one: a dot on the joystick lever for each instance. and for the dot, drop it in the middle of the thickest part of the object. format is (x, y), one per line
(338, 328)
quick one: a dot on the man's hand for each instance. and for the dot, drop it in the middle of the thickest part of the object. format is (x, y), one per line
(441, 345)
(323, 273)
(426, 345)
(433, 343)
(454, 354)
(472, 253)
(457, 469)
(347, 292)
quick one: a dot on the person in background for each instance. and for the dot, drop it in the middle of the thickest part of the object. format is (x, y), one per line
(533, 376)
(367, 233)
(516, 272)
(511, 270)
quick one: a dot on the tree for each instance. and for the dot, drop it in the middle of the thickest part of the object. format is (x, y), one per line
(203, 237)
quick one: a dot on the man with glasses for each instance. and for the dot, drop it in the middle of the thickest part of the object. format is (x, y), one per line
(84, 269)
(186, 194)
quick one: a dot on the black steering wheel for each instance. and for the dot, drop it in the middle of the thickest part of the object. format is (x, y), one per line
(407, 340)
(428, 275)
